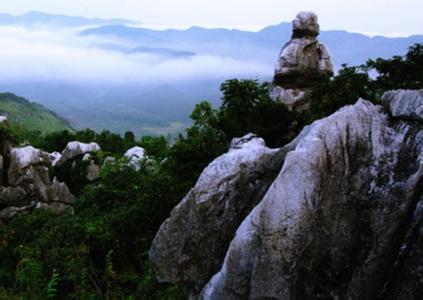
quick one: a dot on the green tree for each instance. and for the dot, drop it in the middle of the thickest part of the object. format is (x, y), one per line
(129, 139)
(56, 141)
(110, 142)
(156, 147)
(330, 94)
(201, 143)
(399, 72)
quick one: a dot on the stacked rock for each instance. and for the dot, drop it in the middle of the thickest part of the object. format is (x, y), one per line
(302, 61)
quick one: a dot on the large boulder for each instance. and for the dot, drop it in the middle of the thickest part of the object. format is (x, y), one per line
(77, 163)
(26, 156)
(14, 196)
(191, 244)
(341, 220)
(302, 61)
(74, 149)
(329, 224)
(28, 163)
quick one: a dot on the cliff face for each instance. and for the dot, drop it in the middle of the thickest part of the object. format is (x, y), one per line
(336, 214)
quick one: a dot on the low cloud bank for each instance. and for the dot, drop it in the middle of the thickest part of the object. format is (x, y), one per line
(40, 54)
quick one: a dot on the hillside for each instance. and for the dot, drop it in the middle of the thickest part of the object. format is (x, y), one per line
(26, 115)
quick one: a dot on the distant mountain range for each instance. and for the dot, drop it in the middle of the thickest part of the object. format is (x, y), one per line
(39, 18)
(163, 52)
(264, 45)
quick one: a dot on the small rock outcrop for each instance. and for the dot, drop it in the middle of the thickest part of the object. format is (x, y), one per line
(74, 149)
(25, 182)
(136, 156)
(302, 61)
(341, 219)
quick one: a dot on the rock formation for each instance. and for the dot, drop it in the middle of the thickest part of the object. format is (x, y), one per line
(74, 154)
(341, 219)
(74, 149)
(26, 182)
(192, 243)
(136, 155)
(302, 61)
(405, 104)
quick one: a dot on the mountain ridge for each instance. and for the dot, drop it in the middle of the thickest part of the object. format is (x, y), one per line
(258, 45)
(37, 17)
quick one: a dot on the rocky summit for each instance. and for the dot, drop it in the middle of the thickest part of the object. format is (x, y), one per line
(336, 214)
(302, 61)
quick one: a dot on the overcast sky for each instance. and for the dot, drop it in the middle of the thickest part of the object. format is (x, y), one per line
(387, 17)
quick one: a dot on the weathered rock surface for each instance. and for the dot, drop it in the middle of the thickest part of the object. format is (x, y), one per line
(23, 161)
(75, 148)
(27, 184)
(93, 171)
(339, 221)
(406, 278)
(302, 61)
(406, 104)
(55, 157)
(136, 156)
(191, 244)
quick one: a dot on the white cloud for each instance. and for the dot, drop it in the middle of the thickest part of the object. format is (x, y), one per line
(28, 55)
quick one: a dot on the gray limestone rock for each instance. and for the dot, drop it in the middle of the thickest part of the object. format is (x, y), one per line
(14, 196)
(302, 61)
(28, 182)
(11, 211)
(191, 244)
(341, 220)
(405, 104)
(306, 22)
(328, 226)
(136, 155)
(74, 149)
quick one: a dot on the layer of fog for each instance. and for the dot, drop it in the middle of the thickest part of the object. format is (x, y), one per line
(61, 55)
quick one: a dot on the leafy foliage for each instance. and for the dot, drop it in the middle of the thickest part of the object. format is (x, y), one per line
(51, 290)
(330, 94)
(399, 72)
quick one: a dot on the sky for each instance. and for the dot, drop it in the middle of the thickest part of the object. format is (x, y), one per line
(371, 17)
